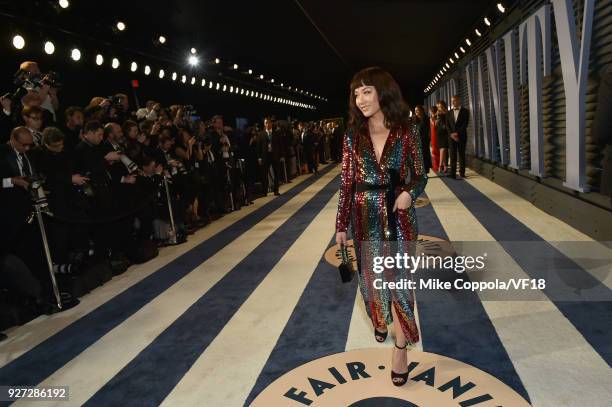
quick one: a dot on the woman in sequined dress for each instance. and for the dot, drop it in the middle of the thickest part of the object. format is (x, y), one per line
(382, 176)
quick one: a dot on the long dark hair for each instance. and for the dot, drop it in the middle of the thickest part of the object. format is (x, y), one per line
(392, 104)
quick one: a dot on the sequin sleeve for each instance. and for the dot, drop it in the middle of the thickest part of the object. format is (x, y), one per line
(418, 177)
(346, 185)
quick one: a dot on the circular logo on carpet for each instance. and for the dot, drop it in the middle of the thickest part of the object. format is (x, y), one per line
(362, 378)
(428, 245)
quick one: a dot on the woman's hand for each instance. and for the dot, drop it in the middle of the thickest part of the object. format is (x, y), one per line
(341, 238)
(403, 201)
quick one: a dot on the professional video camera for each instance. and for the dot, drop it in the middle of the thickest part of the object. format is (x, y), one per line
(26, 81)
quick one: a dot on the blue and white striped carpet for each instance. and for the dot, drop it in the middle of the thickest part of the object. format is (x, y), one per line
(214, 321)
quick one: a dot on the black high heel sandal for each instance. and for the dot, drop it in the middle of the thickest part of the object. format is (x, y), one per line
(402, 376)
(380, 334)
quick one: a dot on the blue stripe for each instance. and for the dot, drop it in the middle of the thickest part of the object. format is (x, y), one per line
(40, 362)
(455, 324)
(591, 319)
(152, 375)
(318, 326)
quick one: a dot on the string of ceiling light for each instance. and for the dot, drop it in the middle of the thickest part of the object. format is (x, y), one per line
(468, 43)
(193, 60)
(76, 55)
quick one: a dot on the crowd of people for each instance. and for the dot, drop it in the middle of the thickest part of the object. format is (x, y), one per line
(115, 182)
(444, 137)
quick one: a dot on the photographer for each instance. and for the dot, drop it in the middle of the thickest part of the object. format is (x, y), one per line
(47, 93)
(73, 127)
(15, 168)
(33, 119)
(68, 240)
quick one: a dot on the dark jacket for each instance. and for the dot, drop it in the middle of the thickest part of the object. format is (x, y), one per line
(460, 126)
(278, 145)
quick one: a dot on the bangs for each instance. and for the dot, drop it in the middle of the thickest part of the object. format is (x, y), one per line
(363, 78)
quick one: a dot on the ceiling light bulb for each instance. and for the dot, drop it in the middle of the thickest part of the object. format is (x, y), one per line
(49, 47)
(18, 42)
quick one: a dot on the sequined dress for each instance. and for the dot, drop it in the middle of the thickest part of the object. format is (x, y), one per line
(375, 227)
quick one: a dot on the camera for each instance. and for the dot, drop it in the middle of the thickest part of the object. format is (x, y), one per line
(26, 81)
(37, 192)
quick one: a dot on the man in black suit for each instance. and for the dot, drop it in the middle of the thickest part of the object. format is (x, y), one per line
(310, 144)
(270, 148)
(458, 118)
(15, 168)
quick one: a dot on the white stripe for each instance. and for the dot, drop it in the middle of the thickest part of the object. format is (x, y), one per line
(242, 348)
(24, 338)
(591, 256)
(557, 365)
(95, 366)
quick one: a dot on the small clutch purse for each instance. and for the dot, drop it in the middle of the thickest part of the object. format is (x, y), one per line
(346, 267)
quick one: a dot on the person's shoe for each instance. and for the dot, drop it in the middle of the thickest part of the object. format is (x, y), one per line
(399, 379)
(276, 193)
(380, 336)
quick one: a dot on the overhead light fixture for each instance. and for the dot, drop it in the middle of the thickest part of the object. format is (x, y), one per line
(75, 54)
(478, 32)
(193, 60)
(462, 49)
(447, 65)
(487, 22)
(193, 80)
(452, 61)
(203, 82)
(115, 63)
(210, 85)
(183, 78)
(217, 60)
(64, 3)
(161, 39)
(49, 48)
(235, 66)
(468, 42)
(147, 69)
(161, 74)
(121, 26)
(18, 42)
(218, 86)
(133, 66)
(174, 76)
(456, 55)
(272, 80)
(99, 59)
(261, 76)
(224, 87)
(231, 89)
(501, 8)
(193, 50)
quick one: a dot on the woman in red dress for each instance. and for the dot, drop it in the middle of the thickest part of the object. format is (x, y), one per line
(382, 176)
(435, 150)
